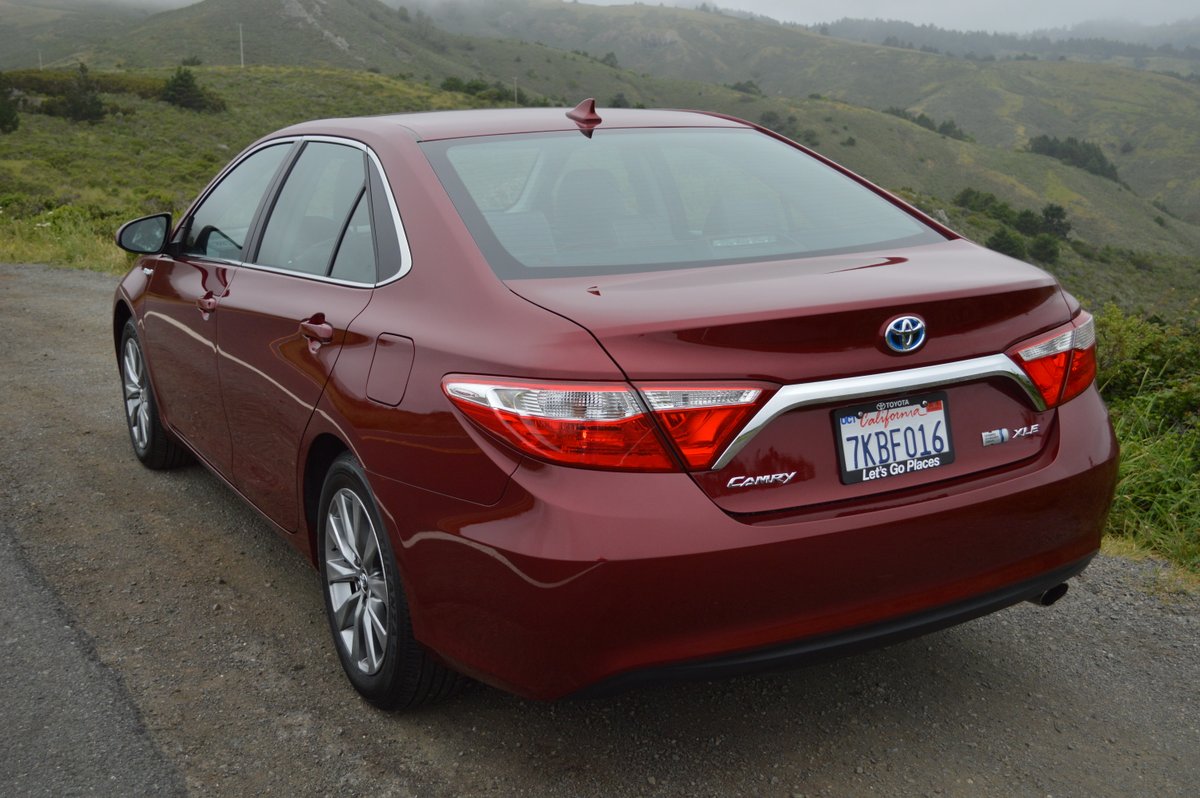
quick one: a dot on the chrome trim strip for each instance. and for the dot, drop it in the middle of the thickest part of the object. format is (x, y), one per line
(793, 397)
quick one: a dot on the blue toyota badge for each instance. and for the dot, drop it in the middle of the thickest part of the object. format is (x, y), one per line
(905, 334)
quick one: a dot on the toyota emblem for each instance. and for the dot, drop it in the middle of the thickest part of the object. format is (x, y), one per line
(905, 334)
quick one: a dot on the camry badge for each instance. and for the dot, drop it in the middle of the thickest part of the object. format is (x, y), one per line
(905, 334)
(763, 479)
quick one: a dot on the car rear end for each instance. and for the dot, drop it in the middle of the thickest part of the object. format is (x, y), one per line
(838, 424)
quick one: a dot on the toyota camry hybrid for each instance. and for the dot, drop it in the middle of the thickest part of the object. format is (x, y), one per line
(571, 401)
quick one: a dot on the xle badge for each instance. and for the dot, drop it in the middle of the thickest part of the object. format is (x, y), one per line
(995, 437)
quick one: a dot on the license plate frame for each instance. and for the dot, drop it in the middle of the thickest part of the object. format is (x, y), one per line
(916, 425)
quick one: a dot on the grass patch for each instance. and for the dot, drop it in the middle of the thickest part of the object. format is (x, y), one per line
(1150, 373)
(65, 236)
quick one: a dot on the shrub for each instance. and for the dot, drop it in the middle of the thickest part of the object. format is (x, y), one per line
(1007, 242)
(182, 90)
(9, 121)
(947, 128)
(1044, 248)
(1028, 223)
(986, 203)
(747, 87)
(1147, 371)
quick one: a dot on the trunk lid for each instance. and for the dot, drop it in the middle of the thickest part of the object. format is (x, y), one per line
(820, 319)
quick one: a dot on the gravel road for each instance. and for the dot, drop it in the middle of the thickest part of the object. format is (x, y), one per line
(197, 647)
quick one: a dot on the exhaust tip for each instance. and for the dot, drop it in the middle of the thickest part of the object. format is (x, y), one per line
(1050, 596)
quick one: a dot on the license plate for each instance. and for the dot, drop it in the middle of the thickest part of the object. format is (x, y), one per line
(893, 437)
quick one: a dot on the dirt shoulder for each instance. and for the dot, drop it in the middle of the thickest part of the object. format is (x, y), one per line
(214, 627)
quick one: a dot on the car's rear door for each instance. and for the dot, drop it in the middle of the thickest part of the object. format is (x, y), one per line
(182, 302)
(284, 322)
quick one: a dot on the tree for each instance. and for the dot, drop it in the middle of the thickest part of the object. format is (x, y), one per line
(1054, 220)
(1006, 242)
(82, 102)
(182, 90)
(9, 121)
(1084, 154)
(1028, 223)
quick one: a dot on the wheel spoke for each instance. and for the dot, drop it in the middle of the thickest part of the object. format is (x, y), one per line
(338, 571)
(370, 550)
(376, 611)
(143, 422)
(359, 630)
(338, 534)
(371, 644)
(348, 540)
(344, 614)
(133, 364)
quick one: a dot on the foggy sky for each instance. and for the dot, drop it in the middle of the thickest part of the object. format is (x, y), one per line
(1010, 16)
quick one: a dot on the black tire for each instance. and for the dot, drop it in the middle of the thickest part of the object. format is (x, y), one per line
(362, 583)
(152, 443)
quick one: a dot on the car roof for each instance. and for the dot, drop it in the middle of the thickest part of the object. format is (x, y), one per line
(437, 125)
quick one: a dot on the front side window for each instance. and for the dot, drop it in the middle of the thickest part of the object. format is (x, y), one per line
(640, 200)
(219, 225)
(313, 208)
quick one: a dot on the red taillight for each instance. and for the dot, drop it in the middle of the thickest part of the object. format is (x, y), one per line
(1063, 364)
(604, 425)
(701, 420)
(596, 425)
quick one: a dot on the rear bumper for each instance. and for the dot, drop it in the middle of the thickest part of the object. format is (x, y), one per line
(581, 581)
(839, 644)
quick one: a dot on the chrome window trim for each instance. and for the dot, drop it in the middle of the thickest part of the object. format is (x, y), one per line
(848, 389)
(401, 237)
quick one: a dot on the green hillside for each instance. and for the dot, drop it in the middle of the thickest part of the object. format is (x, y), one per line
(52, 31)
(1148, 124)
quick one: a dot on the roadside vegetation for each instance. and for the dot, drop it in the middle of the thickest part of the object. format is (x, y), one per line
(67, 181)
(1149, 372)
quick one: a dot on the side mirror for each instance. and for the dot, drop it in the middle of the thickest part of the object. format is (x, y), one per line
(145, 236)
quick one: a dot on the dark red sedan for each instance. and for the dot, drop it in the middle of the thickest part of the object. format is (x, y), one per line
(569, 402)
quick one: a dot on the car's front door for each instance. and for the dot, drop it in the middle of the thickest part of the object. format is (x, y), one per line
(182, 300)
(284, 322)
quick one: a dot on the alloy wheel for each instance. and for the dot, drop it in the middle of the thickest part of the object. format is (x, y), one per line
(137, 399)
(355, 579)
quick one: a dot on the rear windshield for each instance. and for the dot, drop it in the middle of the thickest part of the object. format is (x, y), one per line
(554, 204)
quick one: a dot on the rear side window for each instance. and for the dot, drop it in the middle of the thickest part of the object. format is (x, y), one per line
(313, 210)
(219, 225)
(355, 259)
(638, 200)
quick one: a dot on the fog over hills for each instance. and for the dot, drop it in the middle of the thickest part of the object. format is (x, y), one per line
(1013, 16)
